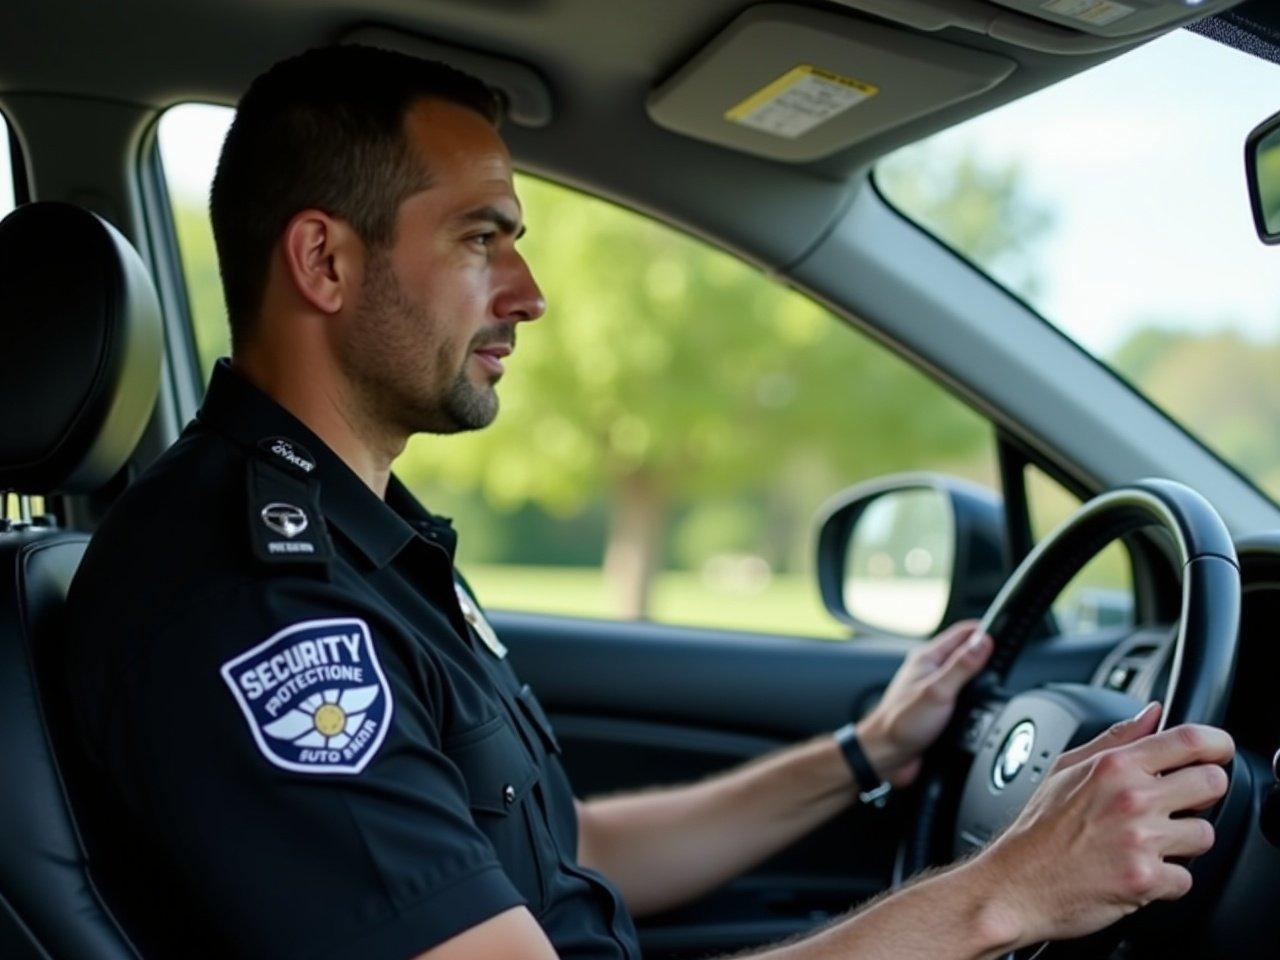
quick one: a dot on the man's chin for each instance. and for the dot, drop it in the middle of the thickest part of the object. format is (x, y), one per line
(474, 411)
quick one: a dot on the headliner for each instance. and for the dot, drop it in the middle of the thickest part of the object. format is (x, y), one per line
(600, 61)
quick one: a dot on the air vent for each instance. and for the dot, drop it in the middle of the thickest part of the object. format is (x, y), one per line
(1122, 673)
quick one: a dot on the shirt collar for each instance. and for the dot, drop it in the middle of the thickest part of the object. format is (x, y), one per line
(379, 529)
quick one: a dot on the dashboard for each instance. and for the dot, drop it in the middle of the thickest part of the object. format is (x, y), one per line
(1254, 714)
(1139, 664)
(1236, 906)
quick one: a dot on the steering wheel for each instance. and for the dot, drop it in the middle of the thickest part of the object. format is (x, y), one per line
(1001, 745)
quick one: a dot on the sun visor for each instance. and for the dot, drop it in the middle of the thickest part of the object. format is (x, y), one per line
(528, 99)
(791, 83)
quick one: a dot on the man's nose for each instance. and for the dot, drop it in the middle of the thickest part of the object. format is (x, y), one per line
(522, 300)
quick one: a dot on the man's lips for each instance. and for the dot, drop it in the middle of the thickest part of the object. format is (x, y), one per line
(490, 357)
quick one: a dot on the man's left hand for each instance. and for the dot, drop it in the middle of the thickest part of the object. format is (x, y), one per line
(920, 700)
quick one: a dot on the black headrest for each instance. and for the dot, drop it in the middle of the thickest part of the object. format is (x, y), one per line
(80, 349)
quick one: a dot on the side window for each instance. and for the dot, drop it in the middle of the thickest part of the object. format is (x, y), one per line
(11, 505)
(667, 431)
(1101, 595)
(189, 138)
(6, 169)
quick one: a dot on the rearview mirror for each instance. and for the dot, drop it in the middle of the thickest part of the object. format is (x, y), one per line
(905, 555)
(1262, 164)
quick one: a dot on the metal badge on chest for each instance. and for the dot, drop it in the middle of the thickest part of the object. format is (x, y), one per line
(471, 613)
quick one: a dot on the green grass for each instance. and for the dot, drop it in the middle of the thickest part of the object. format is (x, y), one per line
(789, 605)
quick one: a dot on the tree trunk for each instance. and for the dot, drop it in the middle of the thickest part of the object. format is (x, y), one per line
(637, 534)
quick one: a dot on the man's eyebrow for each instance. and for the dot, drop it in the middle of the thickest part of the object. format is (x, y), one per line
(495, 216)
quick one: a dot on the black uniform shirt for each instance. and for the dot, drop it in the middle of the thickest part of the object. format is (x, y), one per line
(308, 742)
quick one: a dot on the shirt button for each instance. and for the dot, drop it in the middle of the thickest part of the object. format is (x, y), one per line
(508, 794)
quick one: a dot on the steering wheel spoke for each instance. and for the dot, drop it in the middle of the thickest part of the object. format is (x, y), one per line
(974, 727)
(1020, 746)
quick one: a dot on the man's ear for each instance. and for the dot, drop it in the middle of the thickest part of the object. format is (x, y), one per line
(321, 258)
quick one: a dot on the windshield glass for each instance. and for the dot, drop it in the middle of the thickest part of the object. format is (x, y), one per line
(1115, 203)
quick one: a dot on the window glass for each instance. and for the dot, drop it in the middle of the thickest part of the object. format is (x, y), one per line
(1101, 595)
(6, 169)
(190, 137)
(1130, 227)
(668, 430)
(11, 507)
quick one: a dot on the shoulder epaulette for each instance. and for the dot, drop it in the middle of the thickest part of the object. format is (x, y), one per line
(286, 527)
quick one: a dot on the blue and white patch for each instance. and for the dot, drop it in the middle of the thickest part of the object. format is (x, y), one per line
(314, 695)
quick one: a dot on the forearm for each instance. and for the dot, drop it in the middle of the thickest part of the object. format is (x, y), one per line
(664, 847)
(667, 846)
(950, 916)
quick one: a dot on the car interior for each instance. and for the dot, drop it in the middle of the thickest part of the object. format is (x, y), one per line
(754, 127)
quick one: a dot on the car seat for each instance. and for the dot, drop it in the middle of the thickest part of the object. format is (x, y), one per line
(80, 354)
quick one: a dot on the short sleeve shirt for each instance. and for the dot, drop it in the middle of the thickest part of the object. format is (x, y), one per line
(301, 736)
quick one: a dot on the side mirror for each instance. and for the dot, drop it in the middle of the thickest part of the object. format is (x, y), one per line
(1262, 165)
(907, 554)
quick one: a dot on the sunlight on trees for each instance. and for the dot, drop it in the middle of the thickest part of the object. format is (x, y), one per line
(676, 409)
(667, 374)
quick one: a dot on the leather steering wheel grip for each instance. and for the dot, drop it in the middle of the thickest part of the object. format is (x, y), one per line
(1205, 648)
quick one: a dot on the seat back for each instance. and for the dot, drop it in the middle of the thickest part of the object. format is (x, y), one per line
(80, 346)
(52, 908)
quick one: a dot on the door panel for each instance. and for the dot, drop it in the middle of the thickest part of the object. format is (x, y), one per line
(840, 864)
(639, 704)
(739, 682)
(635, 705)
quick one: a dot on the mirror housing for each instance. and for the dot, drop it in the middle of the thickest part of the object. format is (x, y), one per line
(1262, 166)
(932, 527)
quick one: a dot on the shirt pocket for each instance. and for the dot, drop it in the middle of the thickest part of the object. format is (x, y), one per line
(500, 777)
(537, 716)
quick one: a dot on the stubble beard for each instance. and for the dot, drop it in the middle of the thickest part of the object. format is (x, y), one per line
(399, 365)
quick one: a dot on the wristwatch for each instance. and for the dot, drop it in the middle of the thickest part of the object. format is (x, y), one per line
(863, 772)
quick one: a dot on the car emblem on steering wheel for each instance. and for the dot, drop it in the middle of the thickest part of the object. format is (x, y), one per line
(1014, 754)
(284, 518)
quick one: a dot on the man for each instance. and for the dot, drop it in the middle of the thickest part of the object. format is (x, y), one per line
(310, 742)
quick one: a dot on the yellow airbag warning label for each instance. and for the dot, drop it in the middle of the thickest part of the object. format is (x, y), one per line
(799, 100)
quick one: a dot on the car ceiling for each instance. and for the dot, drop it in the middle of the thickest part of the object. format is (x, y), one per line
(600, 61)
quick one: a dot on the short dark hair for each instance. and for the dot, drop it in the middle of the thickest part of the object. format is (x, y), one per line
(323, 130)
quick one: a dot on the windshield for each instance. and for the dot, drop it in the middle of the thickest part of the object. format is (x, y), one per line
(1115, 204)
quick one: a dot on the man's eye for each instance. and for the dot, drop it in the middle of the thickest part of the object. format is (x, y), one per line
(483, 239)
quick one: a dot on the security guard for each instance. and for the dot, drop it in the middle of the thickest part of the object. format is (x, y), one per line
(313, 713)
(303, 738)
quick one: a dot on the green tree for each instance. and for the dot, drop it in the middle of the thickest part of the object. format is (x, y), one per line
(981, 209)
(667, 372)
(1221, 384)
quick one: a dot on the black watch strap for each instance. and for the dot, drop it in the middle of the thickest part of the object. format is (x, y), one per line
(871, 789)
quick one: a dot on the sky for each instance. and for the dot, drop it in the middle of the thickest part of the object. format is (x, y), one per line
(6, 183)
(1141, 162)
(190, 138)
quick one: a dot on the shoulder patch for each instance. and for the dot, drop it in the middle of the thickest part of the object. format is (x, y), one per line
(314, 695)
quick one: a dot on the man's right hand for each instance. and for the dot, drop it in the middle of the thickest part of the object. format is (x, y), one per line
(1094, 843)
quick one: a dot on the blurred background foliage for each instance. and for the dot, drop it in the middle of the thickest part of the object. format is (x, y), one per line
(670, 429)
(698, 408)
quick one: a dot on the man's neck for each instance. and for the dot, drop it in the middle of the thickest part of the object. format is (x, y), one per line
(320, 401)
